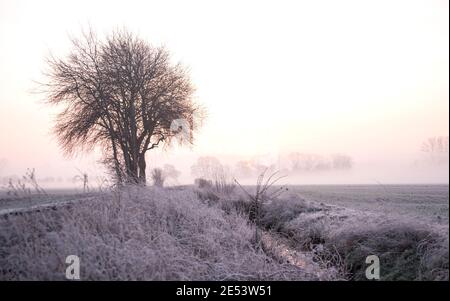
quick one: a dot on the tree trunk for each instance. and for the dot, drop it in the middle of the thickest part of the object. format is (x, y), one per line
(116, 162)
(142, 166)
(134, 151)
(133, 173)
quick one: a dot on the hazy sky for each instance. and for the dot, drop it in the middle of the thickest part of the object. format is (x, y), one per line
(365, 78)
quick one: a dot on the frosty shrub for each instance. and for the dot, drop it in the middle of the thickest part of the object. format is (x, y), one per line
(407, 251)
(277, 213)
(204, 190)
(137, 234)
(203, 183)
(343, 237)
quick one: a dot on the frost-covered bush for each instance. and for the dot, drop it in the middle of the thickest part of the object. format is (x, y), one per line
(203, 183)
(137, 234)
(207, 195)
(277, 213)
(308, 230)
(407, 250)
(240, 204)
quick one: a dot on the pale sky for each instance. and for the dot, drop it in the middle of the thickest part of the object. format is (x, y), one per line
(364, 78)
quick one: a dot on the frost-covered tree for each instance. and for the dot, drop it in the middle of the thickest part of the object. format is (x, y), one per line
(121, 94)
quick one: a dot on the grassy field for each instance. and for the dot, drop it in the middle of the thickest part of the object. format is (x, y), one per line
(188, 233)
(139, 234)
(428, 203)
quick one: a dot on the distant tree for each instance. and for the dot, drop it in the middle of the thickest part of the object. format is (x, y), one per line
(313, 162)
(342, 162)
(307, 162)
(436, 149)
(158, 177)
(244, 169)
(210, 169)
(170, 172)
(206, 167)
(121, 94)
(435, 145)
(83, 177)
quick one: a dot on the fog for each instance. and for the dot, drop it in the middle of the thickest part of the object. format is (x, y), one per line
(368, 80)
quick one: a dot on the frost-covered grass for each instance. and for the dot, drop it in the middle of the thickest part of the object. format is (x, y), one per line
(137, 234)
(409, 249)
(422, 202)
(187, 234)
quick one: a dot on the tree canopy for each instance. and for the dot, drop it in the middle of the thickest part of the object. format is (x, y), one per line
(123, 94)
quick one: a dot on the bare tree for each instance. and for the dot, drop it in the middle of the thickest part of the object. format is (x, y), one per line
(342, 162)
(171, 173)
(83, 177)
(435, 145)
(436, 149)
(304, 162)
(206, 167)
(158, 177)
(121, 94)
(244, 169)
(308, 162)
(209, 169)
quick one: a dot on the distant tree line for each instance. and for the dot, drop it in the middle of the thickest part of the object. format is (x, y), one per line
(210, 168)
